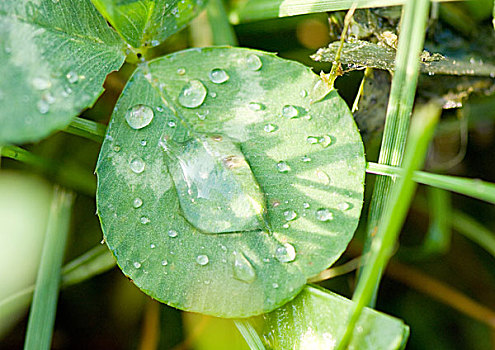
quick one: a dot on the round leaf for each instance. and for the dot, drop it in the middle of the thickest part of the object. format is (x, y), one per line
(263, 129)
(55, 56)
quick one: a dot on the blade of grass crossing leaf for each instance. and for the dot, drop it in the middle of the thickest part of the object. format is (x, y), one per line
(437, 239)
(472, 229)
(87, 128)
(394, 215)
(250, 335)
(221, 29)
(42, 314)
(400, 104)
(475, 188)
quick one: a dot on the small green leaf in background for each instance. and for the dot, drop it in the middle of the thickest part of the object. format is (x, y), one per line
(148, 22)
(314, 320)
(208, 126)
(55, 56)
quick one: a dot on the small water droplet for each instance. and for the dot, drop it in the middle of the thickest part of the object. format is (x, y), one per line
(192, 94)
(218, 76)
(306, 205)
(243, 270)
(290, 215)
(202, 259)
(322, 177)
(306, 159)
(143, 143)
(144, 220)
(41, 83)
(213, 94)
(159, 109)
(137, 165)
(164, 262)
(312, 140)
(253, 62)
(325, 141)
(286, 225)
(181, 71)
(172, 233)
(202, 115)
(285, 253)
(275, 285)
(72, 77)
(255, 106)
(283, 167)
(152, 246)
(303, 93)
(171, 124)
(137, 264)
(290, 111)
(137, 202)
(139, 116)
(323, 214)
(270, 127)
(343, 206)
(43, 106)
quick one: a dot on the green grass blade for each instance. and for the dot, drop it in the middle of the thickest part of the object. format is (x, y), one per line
(394, 214)
(250, 335)
(475, 188)
(472, 229)
(255, 10)
(87, 128)
(221, 29)
(42, 314)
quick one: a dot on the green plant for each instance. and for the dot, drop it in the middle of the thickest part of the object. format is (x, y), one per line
(229, 178)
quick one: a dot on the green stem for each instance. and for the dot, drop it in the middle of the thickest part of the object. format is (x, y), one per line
(393, 216)
(87, 128)
(469, 227)
(221, 29)
(250, 335)
(42, 314)
(475, 188)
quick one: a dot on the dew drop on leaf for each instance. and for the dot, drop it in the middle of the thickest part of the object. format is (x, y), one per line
(325, 141)
(275, 285)
(192, 94)
(322, 177)
(139, 116)
(343, 206)
(72, 77)
(41, 83)
(312, 140)
(144, 220)
(323, 214)
(255, 106)
(202, 259)
(285, 253)
(164, 262)
(306, 205)
(137, 165)
(270, 127)
(283, 167)
(218, 76)
(243, 270)
(43, 106)
(289, 111)
(137, 202)
(181, 71)
(137, 264)
(306, 159)
(253, 62)
(216, 188)
(172, 233)
(290, 215)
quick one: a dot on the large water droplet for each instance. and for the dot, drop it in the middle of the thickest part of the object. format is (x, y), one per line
(192, 94)
(137, 165)
(270, 127)
(290, 111)
(324, 214)
(290, 215)
(253, 62)
(243, 270)
(218, 76)
(217, 189)
(139, 116)
(285, 253)
(137, 202)
(202, 259)
(283, 167)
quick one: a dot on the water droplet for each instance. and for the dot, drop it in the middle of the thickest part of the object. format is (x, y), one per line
(164, 262)
(192, 94)
(290, 111)
(202, 115)
(312, 140)
(323, 214)
(253, 62)
(72, 77)
(137, 165)
(283, 167)
(306, 159)
(159, 109)
(275, 285)
(139, 116)
(306, 205)
(255, 106)
(152, 246)
(137, 202)
(286, 225)
(144, 220)
(172, 233)
(303, 93)
(43, 106)
(218, 76)
(285, 253)
(290, 215)
(171, 124)
(343, 206)
(202, 259)
(322, 177)
(213, 94)
(325, 141)
(243, 270)
(41, 83)
(181, 71)
(143, 143)
(136, 264)
(270, 127)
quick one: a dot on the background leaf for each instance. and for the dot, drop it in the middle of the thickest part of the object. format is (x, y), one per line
(148, 22)
(313, 320)
(55, 56)
(301, 144)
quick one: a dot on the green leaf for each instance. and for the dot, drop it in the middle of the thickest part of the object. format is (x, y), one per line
(313, 320)
(167, 144)
(148, 22)
(55, 56)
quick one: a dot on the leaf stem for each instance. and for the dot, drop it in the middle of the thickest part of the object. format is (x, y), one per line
(87, 128)
(42, 314)
(222, 31)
